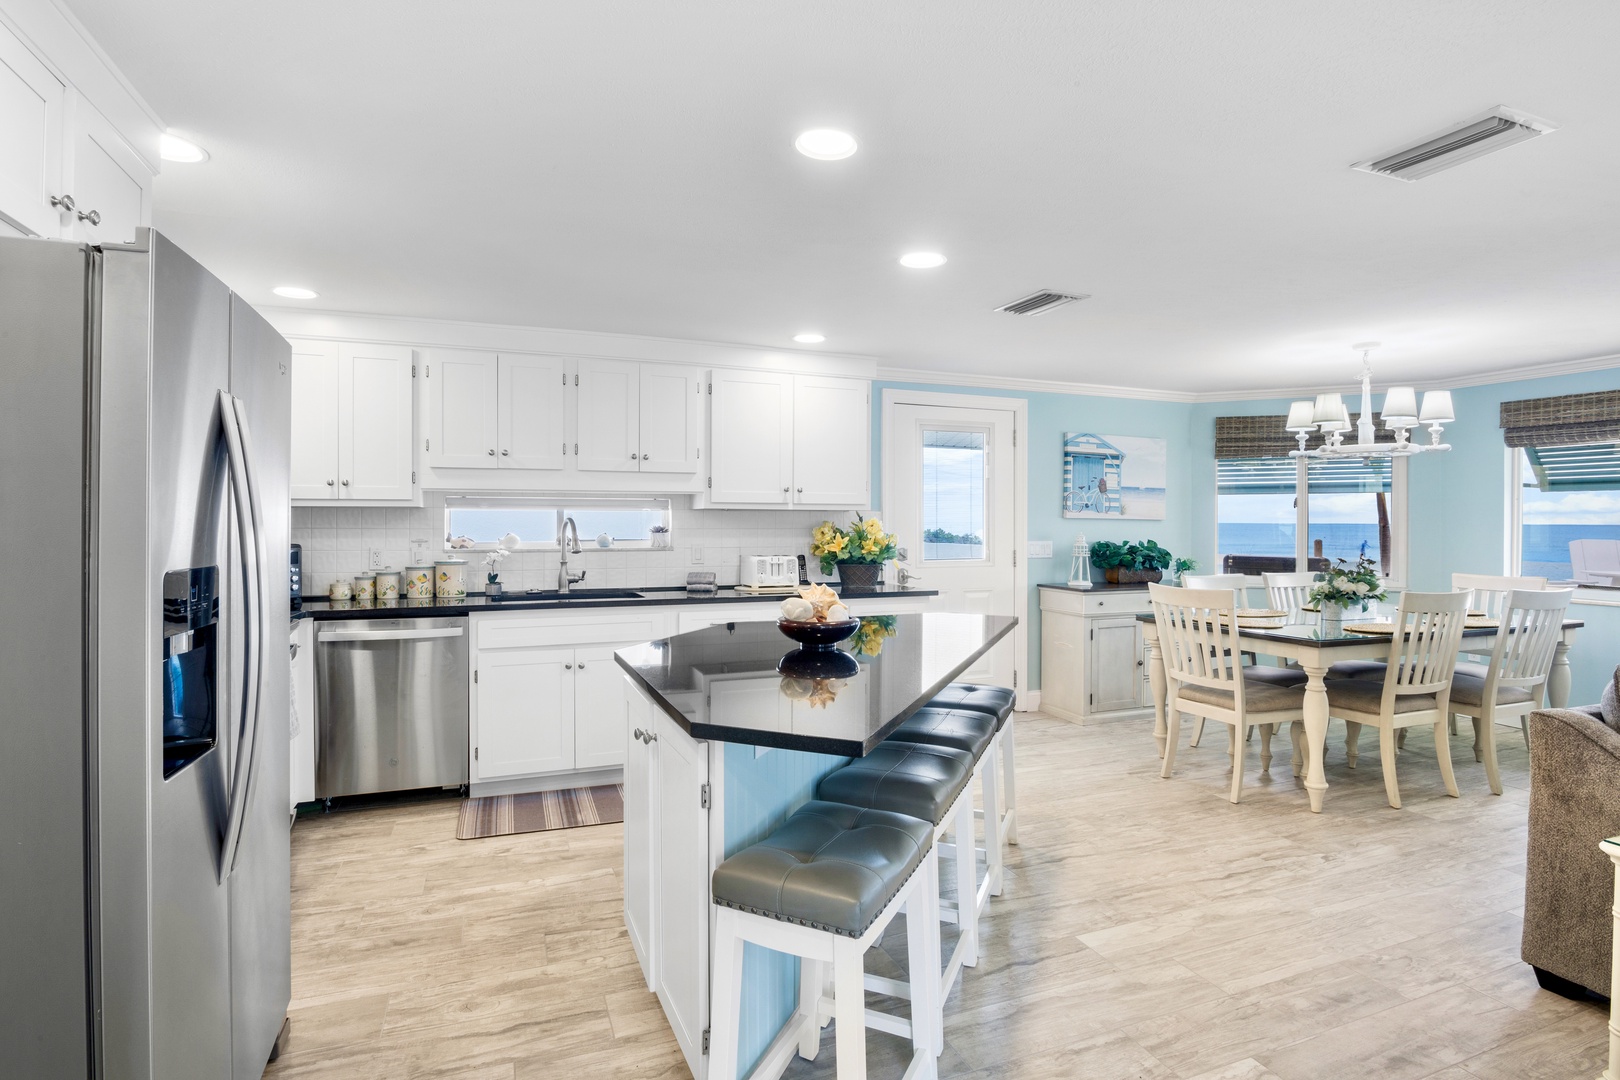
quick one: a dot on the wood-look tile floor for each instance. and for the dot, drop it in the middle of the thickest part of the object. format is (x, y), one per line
(1149, 930)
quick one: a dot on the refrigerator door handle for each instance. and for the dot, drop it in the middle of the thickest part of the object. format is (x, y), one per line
(250, 534)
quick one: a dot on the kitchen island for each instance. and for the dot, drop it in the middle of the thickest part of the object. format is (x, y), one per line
(732, 727)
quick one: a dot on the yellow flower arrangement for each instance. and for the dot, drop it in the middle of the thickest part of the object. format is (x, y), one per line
(872, 632)
(863, 542)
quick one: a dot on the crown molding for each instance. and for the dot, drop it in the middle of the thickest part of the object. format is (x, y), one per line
(1048, 386)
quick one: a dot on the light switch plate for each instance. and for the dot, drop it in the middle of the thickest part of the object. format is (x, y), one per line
(697, 556)
(1040, 549)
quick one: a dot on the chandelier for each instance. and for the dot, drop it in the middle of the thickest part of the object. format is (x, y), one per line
(1401, 414)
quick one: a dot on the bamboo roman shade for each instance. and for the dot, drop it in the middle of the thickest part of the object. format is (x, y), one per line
(1567, 420)
(1265, 436)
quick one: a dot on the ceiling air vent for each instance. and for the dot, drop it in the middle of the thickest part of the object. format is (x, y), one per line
(1474, 137)
(1039, 303)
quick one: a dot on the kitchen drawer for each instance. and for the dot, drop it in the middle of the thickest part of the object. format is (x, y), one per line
(1129, 603)
(574, 628)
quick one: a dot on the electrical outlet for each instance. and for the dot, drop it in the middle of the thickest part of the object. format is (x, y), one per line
(374, 559)
(1040, 549)
(697, 556)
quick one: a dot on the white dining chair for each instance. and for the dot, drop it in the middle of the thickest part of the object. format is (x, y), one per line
(1238, 583)
(1489, 592)
(1289, 592)
(1516, 678)
(1207, 679)
(1282, 674)
(1415, 689)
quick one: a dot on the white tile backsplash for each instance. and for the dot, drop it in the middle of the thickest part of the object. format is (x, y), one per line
(336, 540)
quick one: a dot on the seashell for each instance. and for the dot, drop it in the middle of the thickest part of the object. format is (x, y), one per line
(798, 688)
(837, 613)
(798, 609)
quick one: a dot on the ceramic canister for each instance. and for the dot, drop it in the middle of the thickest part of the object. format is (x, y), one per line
(340, 589)
(365, 587)
(388, 584)
(419, 582)
(450, 577)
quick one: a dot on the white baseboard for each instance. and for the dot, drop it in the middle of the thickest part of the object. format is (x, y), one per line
(1028, 701)
(521, 785)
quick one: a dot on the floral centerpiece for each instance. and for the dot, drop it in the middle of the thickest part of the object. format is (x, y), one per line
(1343, 586)
(858, 552)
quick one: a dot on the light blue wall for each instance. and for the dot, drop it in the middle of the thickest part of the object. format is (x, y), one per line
(1456, 501)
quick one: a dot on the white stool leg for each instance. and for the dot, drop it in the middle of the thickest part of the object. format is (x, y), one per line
(992, 822)
(967, 882)
(725, 1007)
(922, 966)
(1009, 793)
(929, 920)
(849, 1012)
(812, 984)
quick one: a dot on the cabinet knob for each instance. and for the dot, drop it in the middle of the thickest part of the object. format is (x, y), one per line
(801, 491)
(569, 667)
(784, 491)
(632, 457)
(331, 483)
(93, 217)
(581, 665)
(652, 737)
(506, 453)
(345, 483)
(639, 734)
(63, 202)
(643, 457)
(492, 453)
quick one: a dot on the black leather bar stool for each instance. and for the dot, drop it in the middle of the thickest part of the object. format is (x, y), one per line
(975, 733)
(997, 701)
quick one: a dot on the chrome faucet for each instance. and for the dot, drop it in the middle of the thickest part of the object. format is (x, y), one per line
(564, 578)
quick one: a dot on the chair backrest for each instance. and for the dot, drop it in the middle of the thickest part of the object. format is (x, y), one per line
(1588, 558)
(1237, 583)
(1190, 622)
(1423, 658)
(1289, 592)
(1527, 638)
(1490, 593)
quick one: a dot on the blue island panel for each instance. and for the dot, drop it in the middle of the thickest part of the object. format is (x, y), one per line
(760, 792)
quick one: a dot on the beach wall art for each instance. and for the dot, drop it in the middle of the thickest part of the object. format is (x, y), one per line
(1113, 476)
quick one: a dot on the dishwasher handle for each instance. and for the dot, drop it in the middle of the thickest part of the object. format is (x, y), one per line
(390, 635)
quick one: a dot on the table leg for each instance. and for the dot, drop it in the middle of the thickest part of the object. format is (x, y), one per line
(1316, 722)
(1558, 679)
(1150, 634)
(1612, 850)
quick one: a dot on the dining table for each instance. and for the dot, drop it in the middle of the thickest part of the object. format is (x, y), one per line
(1315, 649)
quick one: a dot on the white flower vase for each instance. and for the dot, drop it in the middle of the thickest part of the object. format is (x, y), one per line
(1332, 619)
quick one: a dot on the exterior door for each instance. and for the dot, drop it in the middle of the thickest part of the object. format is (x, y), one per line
(461, 408)
(533, 412)
(832, 433)
(607, 394)
(671, 418)
(600, 700)
(751, 438)
(31, 152)
(953, 505)
(524, 709)
(314, 420)
(374, 414)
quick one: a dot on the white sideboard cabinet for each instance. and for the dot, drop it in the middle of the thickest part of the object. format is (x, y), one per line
(1093, 659)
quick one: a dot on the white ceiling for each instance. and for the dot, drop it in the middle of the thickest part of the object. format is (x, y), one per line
(628, 166)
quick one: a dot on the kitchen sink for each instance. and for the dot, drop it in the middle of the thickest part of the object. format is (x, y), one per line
(582, 594)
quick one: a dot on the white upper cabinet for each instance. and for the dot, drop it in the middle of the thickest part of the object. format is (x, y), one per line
(606, 398)
(314, 420)
(374, 447)
(788, 440)
(750, 438)
(832, 432)
(110, 187)
(353, 422)
(31, 104)
(671, 420)
(531, 398)
(462, 429)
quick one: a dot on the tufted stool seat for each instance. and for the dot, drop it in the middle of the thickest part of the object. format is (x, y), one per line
(995, 700)
(823, 887)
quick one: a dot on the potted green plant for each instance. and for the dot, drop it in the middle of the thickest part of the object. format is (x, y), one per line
(1131, 561)
(1180, 568)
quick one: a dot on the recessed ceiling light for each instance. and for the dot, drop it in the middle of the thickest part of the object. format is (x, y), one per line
(825, 144)
(809, 339)
(922, 260)
(295, 292)
(174, 148)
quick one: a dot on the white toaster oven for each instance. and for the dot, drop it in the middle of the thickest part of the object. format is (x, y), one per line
(768, 572)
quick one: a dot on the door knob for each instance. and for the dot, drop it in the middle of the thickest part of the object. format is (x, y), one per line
(93, 217)
(63, 202)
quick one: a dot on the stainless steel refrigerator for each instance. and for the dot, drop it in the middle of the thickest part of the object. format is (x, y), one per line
(144, 430)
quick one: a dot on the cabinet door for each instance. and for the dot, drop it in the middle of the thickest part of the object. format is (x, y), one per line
(681, 876)
(671, 418)
(639, 799)
(1112, 679)
(106, 179)
(832, 432)
(461, 390)
(600, 701)
(314, 420)
(607, 393)
(533, 427)
(375, 432)
(750, 438)
(31, 149)
(524, 712)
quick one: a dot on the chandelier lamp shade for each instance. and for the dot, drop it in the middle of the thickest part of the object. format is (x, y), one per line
(1329, 417)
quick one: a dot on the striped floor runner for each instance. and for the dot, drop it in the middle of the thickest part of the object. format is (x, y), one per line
(539, 811)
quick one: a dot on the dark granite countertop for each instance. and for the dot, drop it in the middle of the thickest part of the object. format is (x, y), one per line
(749, 683)
(322, 608)
(1310, 633)
(1096, 587)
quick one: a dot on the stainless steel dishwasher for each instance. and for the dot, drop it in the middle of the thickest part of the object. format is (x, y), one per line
(391, 705)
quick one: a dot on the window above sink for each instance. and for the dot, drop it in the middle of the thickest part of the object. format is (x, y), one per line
(484, 519)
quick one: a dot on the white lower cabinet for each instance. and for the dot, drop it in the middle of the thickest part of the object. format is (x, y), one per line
(639, 798)
(524, 712)
(1093, 660)
(601, 697)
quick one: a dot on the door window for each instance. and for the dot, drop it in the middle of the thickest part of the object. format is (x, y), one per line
(955, 490)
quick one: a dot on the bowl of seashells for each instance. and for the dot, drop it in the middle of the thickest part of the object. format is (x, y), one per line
(816, 618)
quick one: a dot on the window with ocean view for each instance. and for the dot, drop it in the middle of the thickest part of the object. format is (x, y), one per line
(1569, 513)
(1349, 510)
(485, 519)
